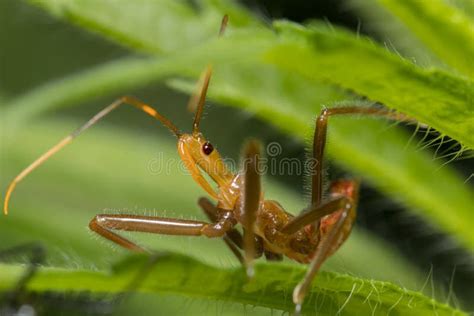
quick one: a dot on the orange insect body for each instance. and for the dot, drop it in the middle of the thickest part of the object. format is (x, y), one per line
(270, 216)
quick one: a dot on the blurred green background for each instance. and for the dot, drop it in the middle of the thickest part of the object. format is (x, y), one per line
(108, 168)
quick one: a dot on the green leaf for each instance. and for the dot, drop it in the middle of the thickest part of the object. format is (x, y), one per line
(331, 294)
(446, 98)
(465, 6)
(431, 96)
(395, 35)
(453, 40)
(144, 24)
(411, 32)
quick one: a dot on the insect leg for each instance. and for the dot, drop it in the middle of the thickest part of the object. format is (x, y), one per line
(105, 225)
(314, 214)
(233, 238)
(322, 252)
(250, 200)
(319, 140)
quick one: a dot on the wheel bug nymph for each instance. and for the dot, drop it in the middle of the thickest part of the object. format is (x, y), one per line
(269, 230)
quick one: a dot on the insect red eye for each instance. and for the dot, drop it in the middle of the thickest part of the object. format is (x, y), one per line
(207, 148)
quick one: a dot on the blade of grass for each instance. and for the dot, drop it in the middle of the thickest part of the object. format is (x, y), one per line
(433, 97)
(465, 6)
(453, 40)
(101, 81)
(393, 33)
(156, 27)
(331, 294)
(407, 27)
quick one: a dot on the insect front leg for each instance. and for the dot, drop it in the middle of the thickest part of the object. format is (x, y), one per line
(250, 200)
(233, 238)
(105, 225)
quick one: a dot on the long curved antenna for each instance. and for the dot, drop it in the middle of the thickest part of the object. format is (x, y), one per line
(68, 139)
(31, 167)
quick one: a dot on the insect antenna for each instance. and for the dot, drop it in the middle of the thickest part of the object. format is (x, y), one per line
(197, 100)
(202, 98)
(68, 139)
(225, 21)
